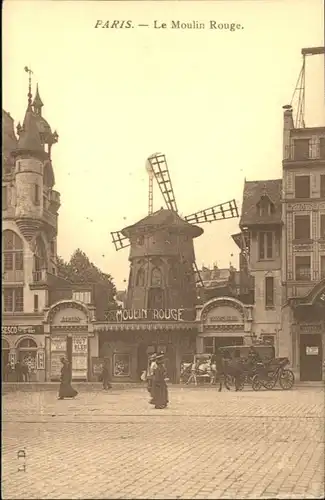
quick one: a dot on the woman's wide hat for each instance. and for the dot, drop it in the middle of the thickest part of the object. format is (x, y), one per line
(160, 357)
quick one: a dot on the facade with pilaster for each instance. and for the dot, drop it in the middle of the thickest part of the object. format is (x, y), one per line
(303, 247)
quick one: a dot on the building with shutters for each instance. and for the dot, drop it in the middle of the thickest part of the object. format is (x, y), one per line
(303, 247)
(260, 267)
(34, 328)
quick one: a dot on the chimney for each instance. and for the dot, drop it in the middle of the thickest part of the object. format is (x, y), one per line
(288, 125)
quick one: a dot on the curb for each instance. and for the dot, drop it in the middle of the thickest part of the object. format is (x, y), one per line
(8, 387)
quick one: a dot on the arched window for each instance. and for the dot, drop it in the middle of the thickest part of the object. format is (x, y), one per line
(156, 279)
(12, 251)
(140, 277)
(27, 349)
(4, 359)
(40, 257)
(4, 344)
(27, 344)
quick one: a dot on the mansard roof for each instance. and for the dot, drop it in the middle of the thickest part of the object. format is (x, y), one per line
(254, 191)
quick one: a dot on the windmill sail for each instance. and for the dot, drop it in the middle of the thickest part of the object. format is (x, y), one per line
(160, 170)
(119, 240)
(227, 210)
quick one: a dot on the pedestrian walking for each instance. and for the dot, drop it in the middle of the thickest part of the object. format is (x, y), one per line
(159, 389)
(6, 372)
(66, 391)
(151, 371)
(18, 371)
(106, 375)
(25, 372)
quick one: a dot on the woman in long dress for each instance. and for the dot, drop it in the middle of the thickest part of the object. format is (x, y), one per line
(66, 391)
(159, 389)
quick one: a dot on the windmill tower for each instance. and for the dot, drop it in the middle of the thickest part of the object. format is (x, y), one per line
(162, 258)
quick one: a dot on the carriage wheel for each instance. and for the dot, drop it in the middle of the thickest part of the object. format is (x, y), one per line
(256, 383)
(229, 381)
(269, 384)
(287, 379)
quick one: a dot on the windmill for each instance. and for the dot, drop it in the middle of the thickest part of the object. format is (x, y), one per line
(163, 270)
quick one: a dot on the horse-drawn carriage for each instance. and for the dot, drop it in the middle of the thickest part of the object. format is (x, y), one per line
(239, 365)
(201, 370)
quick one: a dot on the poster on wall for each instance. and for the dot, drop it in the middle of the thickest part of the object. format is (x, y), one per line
(121, 365)
(59, 344)
(40, 360)
(58, 350)
(79, 345)
(97, 366)
(312, 350)
(56, 365)
(79, 367)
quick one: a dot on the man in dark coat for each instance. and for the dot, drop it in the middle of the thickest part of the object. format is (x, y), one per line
(159, 389)
(66, 391)
(106, 375)
(18, 371)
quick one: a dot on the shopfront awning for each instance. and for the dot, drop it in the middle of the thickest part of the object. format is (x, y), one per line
(142, 326)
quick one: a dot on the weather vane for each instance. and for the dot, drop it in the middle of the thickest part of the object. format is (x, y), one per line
(29, 71)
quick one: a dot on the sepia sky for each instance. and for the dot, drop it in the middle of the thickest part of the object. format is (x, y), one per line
(210, 100)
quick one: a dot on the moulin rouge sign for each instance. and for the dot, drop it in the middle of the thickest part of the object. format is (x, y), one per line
(123, 315)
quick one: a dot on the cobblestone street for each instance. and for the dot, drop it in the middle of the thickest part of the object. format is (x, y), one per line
(207, 444)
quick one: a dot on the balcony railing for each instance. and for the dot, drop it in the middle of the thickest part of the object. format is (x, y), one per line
(50, 218)
(13, 276)
(305, 275)
(55, 197)
(316, 151)
(40, 276)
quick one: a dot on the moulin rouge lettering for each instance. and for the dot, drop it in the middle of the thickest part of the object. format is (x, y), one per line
(150, 314)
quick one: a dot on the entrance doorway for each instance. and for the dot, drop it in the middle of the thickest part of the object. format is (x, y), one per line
(212, 344)
(311, 357)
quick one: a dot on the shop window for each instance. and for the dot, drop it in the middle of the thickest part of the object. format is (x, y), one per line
(302, 186)
(83, 296)
(12, 251)
(121, 365)
(322, 226)
(27, 350)
(140, 281)
(265, 245)
(269, 291)
(13, 300)
(208, 345)
(301, 149)
(302, 227)
(156, 279)
(303, 268)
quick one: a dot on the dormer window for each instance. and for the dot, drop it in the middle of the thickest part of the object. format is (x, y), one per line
(265, 207)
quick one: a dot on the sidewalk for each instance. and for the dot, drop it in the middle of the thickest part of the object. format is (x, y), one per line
(8, 387)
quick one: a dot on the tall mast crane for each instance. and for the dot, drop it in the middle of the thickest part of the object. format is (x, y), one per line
(301, 84)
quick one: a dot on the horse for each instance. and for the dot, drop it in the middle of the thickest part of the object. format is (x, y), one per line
(200, 369)
(227, 367)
